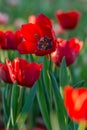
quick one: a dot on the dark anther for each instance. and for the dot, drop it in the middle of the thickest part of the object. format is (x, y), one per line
(45, 43)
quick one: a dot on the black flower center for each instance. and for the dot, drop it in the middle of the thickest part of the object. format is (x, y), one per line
(45, 43)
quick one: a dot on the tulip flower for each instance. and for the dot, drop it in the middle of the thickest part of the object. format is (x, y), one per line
(39, 37)
(13, 39)
(69, 19)
(68, 49)
(76, 103)
(10, 40)
(20, 71)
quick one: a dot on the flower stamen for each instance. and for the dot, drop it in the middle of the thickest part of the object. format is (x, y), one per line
(45, 43)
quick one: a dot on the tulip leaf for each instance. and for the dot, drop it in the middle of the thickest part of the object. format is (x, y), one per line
(72, 125)
(6, 108)
(43, 106)
(27, 106)
(64, 76)
(46, 81)
(54, 120)
(60, 109)
(14, 103)
(6, 95)
(79, 84)
(45, 69)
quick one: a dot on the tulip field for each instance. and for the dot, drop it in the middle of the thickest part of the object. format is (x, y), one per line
(43, 65)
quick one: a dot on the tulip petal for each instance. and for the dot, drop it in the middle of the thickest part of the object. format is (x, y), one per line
(30, 32)
(45, 19)
(27, 47)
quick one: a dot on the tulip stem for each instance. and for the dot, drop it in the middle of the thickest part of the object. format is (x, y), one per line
(50, 64)
(51, 93)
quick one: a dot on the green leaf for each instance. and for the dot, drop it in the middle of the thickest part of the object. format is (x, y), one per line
(45, 70)
(64, 74)
(43, 106)
(72, 125)
(6, 96)
(6, 108)
(79, 84)
(54, 120)
(31, 58)
(45, 81)
(14, 103)
(60, 109)
(9, 124)
(21, 98)
(27, 106)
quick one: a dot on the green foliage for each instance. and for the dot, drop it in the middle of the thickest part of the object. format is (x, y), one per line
(43, 106)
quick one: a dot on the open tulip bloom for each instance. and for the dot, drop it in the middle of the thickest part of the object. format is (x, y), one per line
(39, 37)
(34, 86)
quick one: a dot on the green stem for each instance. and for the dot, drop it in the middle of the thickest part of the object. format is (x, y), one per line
(50, 64)
(21, 98)
(50, 90)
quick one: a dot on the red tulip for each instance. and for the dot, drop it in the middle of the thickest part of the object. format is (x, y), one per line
(76, 103)
(13, 39)
(20, 71)
(68, 49)
(10, 40)
(39, 37)
(68, 19)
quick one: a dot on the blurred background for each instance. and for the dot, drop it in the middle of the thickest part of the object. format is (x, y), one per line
(18, 11)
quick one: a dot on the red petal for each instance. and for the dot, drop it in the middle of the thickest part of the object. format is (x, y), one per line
(30, 74)
(4, 73)
(27, 47)
(13, 39)
(2, 40)
(11, 70)
(26, 73)
(76, 103)
(46, 31)
(43, 20)
(76, 45)
(30, 32)
(18, 37)
(19, 65)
